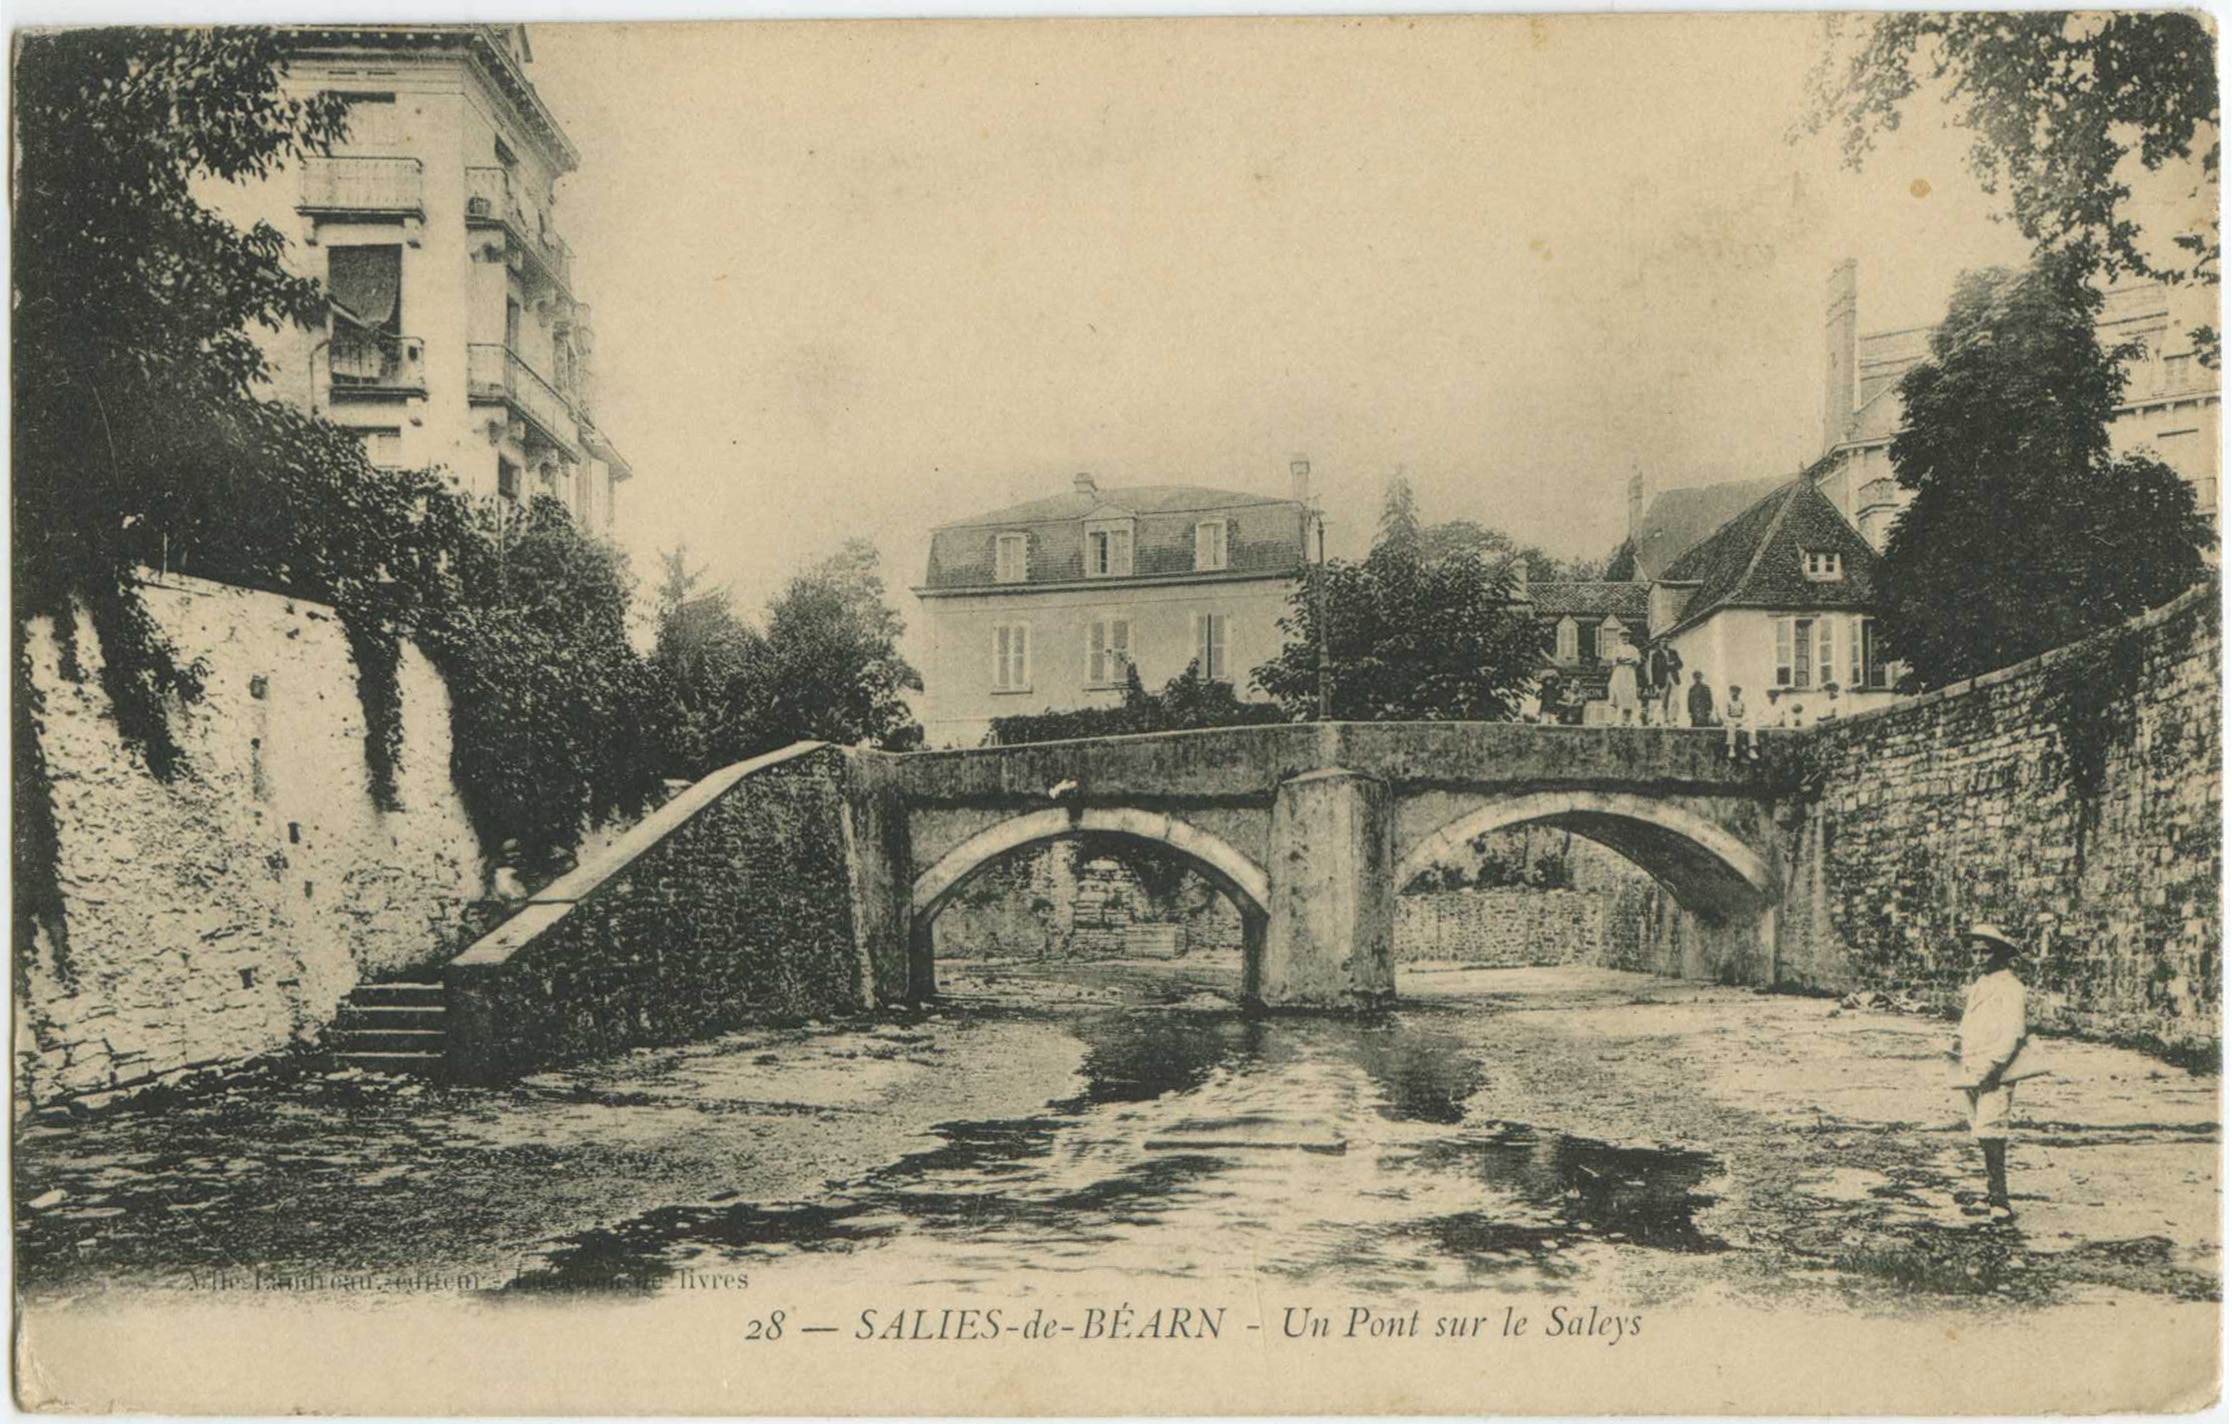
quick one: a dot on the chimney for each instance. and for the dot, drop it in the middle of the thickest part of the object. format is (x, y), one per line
(1082, 482)
(1841, 356)
(1635, 509)
(1299, 468)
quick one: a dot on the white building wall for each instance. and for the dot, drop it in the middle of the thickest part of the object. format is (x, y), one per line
(1736, 647)
(959, 701)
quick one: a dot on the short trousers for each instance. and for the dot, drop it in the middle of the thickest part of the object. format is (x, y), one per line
(1990, 1110)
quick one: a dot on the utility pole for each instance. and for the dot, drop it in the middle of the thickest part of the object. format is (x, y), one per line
(1324, 632)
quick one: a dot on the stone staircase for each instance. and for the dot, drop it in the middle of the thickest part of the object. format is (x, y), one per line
(392, 1028)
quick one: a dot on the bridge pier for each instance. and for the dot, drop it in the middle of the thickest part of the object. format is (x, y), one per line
(1330, 937)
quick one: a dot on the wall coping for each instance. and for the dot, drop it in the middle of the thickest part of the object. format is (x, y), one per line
(2208, 590)
(556, 900)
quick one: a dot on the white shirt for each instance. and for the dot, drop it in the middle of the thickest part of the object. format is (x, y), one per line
(1992, 1025)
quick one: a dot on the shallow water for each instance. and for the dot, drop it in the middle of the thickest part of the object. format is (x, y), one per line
(1205, 1146)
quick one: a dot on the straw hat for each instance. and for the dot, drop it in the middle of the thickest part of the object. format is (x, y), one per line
(1993, 935)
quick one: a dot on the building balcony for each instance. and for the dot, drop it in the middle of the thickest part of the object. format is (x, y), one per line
(376, 187)
(492, 199)
(495, 372)
(375, 363)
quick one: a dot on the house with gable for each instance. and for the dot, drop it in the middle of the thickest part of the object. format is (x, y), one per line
(1783, 596)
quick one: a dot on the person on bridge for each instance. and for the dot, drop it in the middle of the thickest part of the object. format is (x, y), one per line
(1989, 1050)
(1742, 741)
(1700, 701)
(1626, 699)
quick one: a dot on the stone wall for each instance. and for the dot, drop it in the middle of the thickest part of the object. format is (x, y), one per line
(1503, 928)
(225, 913)
(1974, 803)
(735, 902)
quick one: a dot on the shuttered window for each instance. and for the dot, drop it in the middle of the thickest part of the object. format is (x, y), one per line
(1209, 646)
(1011, 657)
(1109, 653)
(1209, 544)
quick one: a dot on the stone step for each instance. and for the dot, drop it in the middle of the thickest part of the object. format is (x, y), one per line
(400, 1063)
(399, 995)
(388, 1040)
(381, 1016)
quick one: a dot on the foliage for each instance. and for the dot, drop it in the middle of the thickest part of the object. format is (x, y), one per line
(133, 416)
(1619, 565)
(2061, 105)
(2023, 520)
(1499, 864)
(1187, 702)
(830, 668)
(1409, 635)
(698, 663)
(826, 666)
(553, 722)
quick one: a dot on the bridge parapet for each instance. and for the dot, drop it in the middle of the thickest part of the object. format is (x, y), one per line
(1248, 763)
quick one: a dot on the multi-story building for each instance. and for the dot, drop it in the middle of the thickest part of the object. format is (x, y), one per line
(456, 337)
(1047, 606)
(2170, 407)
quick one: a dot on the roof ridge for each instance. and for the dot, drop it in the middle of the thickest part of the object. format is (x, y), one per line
(1767, 537)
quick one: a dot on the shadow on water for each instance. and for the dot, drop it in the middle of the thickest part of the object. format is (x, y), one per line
(1190, 1140)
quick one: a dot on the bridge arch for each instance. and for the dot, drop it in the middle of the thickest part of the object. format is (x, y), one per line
(1217, 859)
(1709, 870)
(1226, 866)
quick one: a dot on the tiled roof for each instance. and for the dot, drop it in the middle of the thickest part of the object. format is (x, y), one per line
(1591, 598)
(1757, 559)
(1265, 535)
(1681, 519)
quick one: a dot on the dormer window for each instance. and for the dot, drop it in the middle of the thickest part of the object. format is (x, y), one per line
(1011, 558)
(1824, 567)
(1108, 551)
(1209, 544)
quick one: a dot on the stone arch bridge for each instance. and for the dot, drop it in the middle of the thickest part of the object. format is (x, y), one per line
(806, 881)
(1311, 829)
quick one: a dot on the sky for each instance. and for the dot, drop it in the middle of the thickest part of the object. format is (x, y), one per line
(861, 280)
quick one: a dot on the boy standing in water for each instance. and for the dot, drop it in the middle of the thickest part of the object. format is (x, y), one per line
(1993, 1032)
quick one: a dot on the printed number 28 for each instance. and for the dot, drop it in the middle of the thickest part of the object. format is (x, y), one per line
(769, 1329)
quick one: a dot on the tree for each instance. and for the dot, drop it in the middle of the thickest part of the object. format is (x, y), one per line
(134, 418)
(2025, 532)
(2060, 105)
(1188, 702)
(1408, 635)
(829, 666)
(698, 665)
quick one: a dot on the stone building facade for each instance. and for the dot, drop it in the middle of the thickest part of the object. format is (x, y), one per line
(457, 336)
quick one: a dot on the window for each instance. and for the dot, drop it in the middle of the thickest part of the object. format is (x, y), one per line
(1109, 653)
(1011, 558)
(1209, 646)
(511, 323)
(1612, 638)
(1589, 641)
(1209, 544)
(507, 479)
(1011, 657)
(1824, 566)
(1569, 641)
(1108, 553)
(383, 445)
(1870, 668)
(1805, 652)
(2177, 371)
